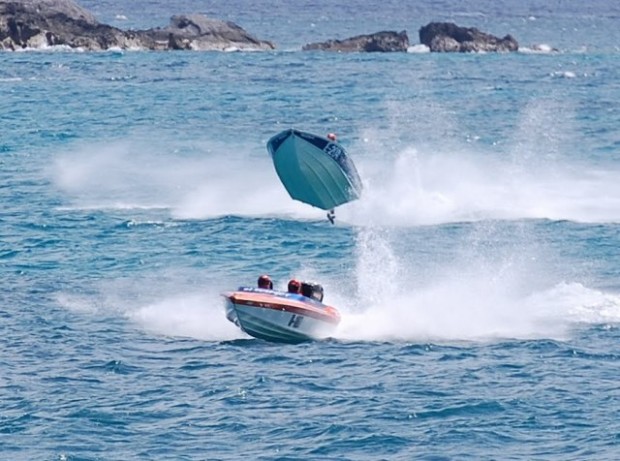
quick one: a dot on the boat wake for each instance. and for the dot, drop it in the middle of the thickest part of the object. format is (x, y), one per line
(483, 288)
(134, 175)
(414, 186)
(468, 308)
(421, 188)
(467, 311)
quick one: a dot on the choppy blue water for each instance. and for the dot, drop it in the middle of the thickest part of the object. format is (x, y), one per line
(478, 277)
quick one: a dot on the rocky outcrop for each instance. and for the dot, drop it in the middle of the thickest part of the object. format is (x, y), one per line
(43, 23)
(386, 41)
(448, 37)
(198, 32)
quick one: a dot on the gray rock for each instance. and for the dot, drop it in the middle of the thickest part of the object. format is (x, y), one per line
(42, 23)
(198, 32)
(445, 44)
(448, 37)
(386, 41)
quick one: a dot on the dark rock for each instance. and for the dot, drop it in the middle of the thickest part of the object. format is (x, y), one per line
(387, 41)
(42, 23)
(448, 37)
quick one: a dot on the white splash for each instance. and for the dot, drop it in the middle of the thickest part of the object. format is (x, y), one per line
(162, 306)
(474, 310)
(213, 183)
(197, 316)
(497, 297)
(418, 48)
(422, 188)
(535, 174)
(539, 48)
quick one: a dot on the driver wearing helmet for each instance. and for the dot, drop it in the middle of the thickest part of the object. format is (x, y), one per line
(264, 281)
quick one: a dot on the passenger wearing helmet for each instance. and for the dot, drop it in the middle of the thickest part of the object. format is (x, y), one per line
(312, 290)
(294, 286)
(264, 281)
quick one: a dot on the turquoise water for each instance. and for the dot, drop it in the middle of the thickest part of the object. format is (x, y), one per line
(477, 276)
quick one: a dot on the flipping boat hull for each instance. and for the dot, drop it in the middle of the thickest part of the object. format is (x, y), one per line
(280, 317)
(314, 170)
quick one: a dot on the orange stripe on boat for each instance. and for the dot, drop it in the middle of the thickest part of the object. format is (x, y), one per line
(267, 301)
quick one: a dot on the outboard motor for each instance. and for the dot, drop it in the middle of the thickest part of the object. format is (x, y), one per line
(312, 290)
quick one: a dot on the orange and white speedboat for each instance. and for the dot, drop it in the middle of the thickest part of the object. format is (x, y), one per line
(282, 317)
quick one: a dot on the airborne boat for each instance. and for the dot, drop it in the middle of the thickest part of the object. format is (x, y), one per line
(314, 170)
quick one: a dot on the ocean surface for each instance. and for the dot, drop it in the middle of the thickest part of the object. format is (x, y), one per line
(478, 277)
